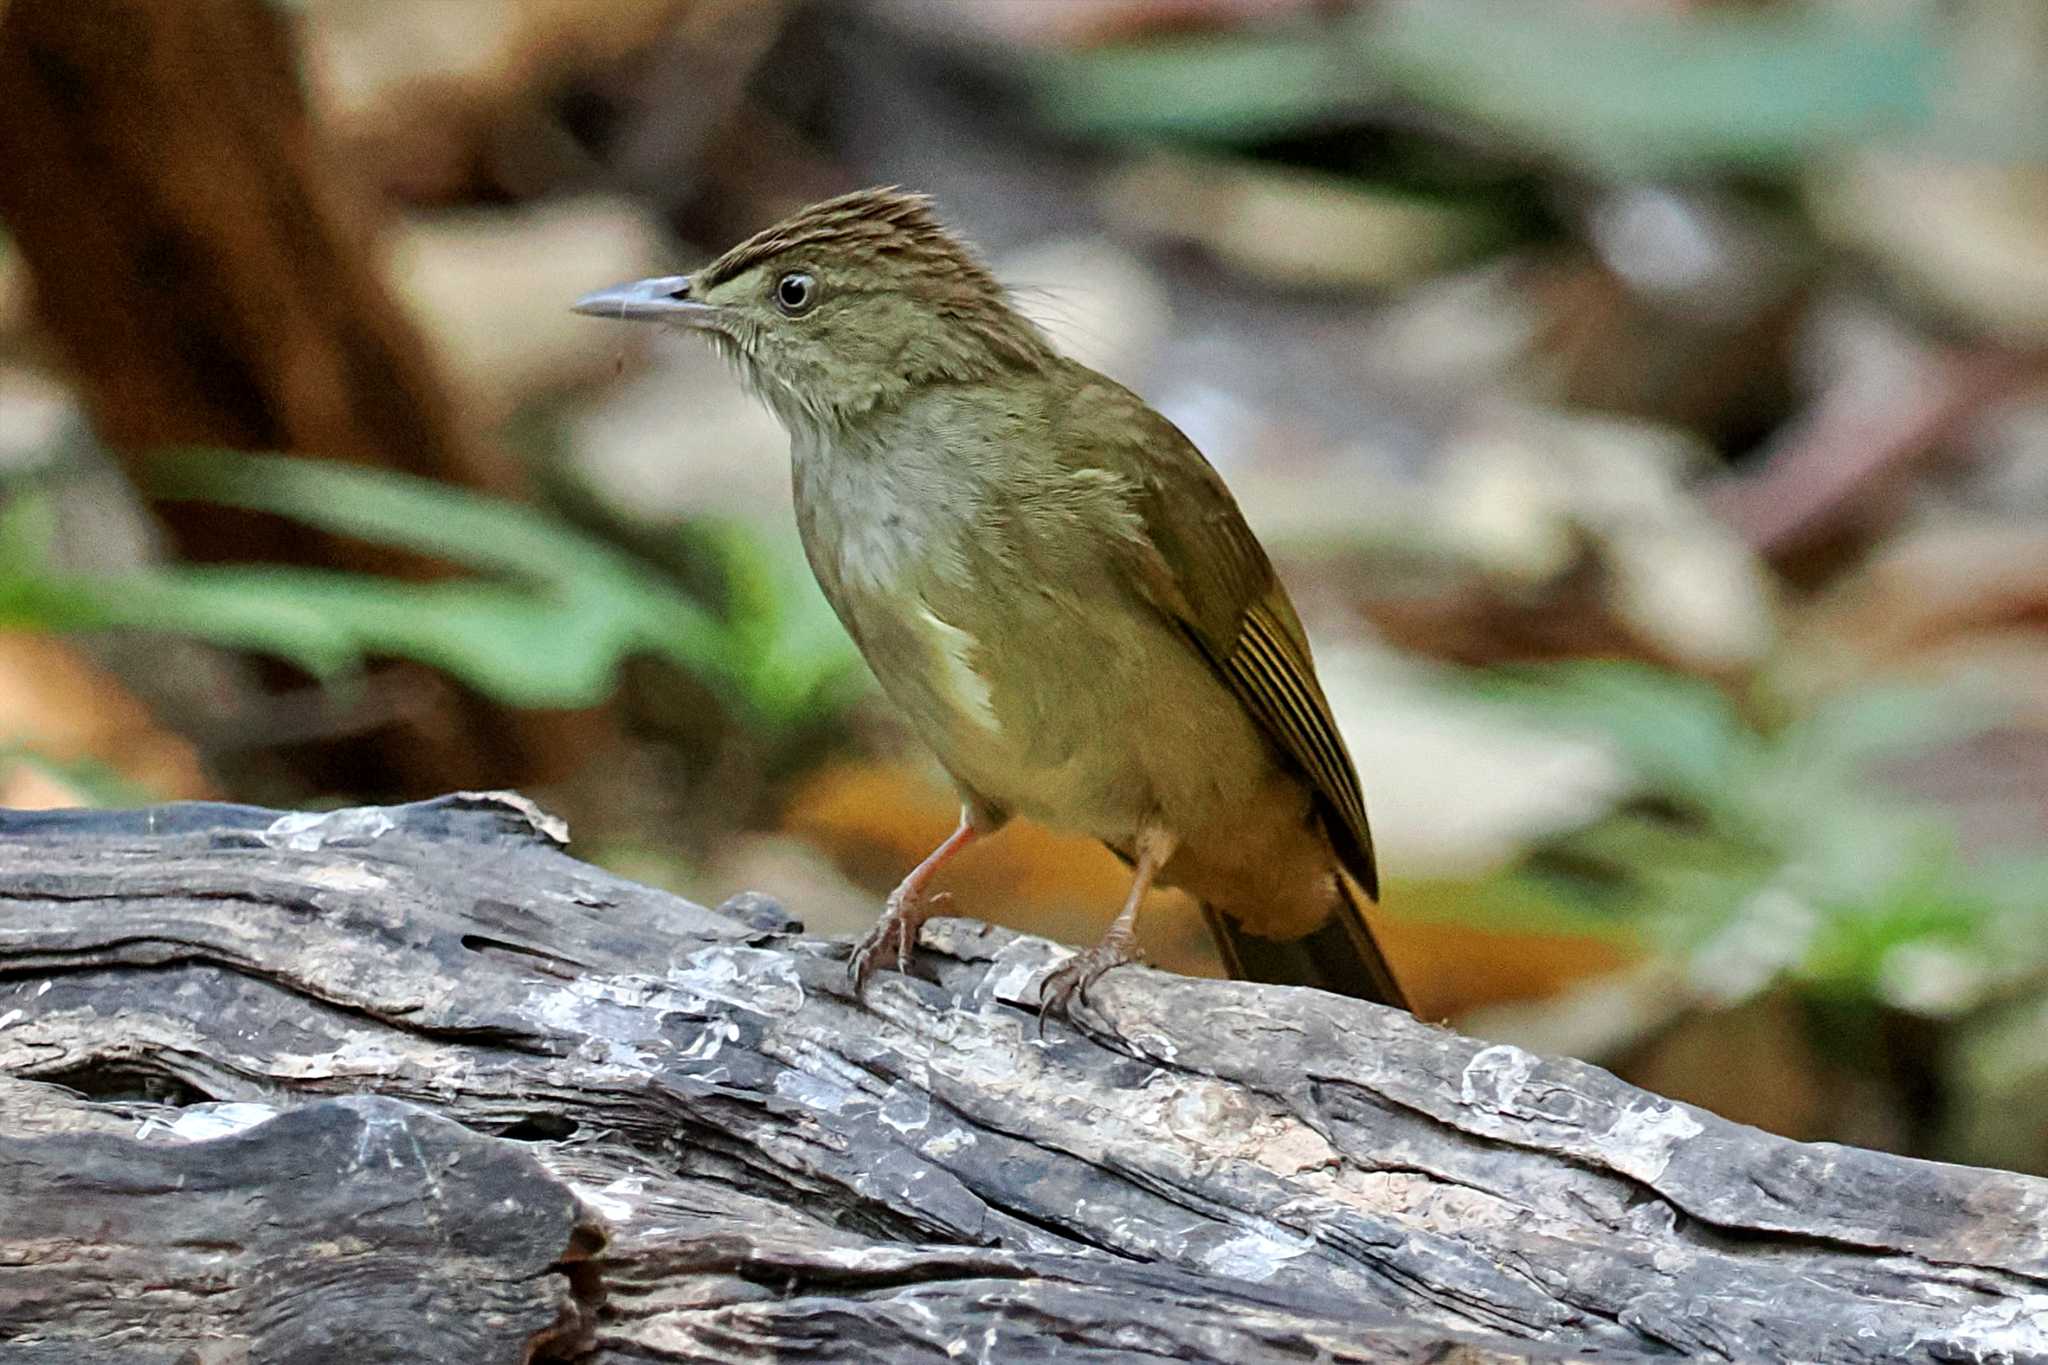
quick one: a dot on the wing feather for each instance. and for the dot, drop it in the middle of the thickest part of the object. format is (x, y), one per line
(1198, 562)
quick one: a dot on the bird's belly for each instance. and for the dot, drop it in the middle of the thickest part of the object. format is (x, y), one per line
(1102, 721)
(1048, 693)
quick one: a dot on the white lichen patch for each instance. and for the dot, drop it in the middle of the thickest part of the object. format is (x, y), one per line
(906, 1110)
(1643, 1138)
(977, 1049)
(381, 1134)
(205, 1122)
(346, 877)
(1016, 970)
(357, 1056)
(1494, 1078)
(1639, 1141)
(819, 1093)
(710, 1042)
(619, 1018)
(614, 1202)
(311, 831)
(2001, 1334)
(947, 1143)
(751, 979)
(1256, 1255)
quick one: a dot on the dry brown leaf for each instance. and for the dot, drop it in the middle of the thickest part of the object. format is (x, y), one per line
(1291, 227)
(1971, 239)
(1929, 600)
(59, 705)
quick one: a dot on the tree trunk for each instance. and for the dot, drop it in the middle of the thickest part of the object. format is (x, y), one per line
(207, 282)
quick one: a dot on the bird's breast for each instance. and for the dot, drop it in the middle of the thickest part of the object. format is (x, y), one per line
(888, 541)
(1014, 657)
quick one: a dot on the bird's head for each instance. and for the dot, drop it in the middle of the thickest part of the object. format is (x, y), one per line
(842, 309)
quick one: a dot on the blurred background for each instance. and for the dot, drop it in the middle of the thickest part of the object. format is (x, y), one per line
(1646, 400)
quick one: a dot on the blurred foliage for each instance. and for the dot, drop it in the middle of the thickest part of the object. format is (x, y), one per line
(785, 650)
(1233, 87)
(1764, 851)
(546, 624)
(92, 782)
(1659, 93)
(1606, 91)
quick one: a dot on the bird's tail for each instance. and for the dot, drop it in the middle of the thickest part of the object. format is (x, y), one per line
(1341, 956)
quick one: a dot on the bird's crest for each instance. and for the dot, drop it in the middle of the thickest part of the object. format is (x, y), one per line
(883, 223)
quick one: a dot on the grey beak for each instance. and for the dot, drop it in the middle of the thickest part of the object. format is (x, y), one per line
(666, 298)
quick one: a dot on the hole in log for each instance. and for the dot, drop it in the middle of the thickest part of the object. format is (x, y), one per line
(541, 1128)
(128, 1080)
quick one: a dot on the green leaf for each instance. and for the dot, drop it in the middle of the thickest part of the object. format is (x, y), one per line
(395, 509)
(552, 636)
(523, 648)
(794, 659)
(1680, 734)
(1928, 908)
(1652, 94)
(547, 622)
(180, 602)
(28, 528)
(1858, 728)
(1517, 904)
(95, 783)
(1620, 94)
(1235, 87)
(1769, 856)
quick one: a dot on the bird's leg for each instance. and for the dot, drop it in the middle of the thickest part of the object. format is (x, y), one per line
(1120, 944)
(908, 908)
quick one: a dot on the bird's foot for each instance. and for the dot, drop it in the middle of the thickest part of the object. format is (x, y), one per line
(1070, 981)
(894, 934)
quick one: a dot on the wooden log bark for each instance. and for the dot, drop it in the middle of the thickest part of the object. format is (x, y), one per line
(634, 1129)
(419, 1230)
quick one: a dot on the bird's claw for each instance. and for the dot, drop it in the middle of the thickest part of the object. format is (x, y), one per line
(901, 919)
(1071, 979)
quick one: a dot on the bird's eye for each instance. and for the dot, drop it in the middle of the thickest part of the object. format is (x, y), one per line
(795, 293)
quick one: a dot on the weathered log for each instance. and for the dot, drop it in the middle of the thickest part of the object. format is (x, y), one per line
(681, 1139)
(414, 1227)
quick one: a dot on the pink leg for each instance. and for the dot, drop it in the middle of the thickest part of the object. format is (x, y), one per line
(907, 909)
(1120, 944)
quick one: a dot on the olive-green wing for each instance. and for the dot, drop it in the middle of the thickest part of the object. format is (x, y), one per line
(1198, 562)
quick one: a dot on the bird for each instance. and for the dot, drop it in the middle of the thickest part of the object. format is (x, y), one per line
(1051, 582)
